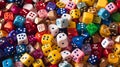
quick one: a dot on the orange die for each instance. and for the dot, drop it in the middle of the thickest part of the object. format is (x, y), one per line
(8, 16)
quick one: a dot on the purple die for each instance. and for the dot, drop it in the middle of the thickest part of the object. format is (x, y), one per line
(13, 34)
(2, 54)
(93, 59)
(50, 6)
(86, 48)
(3, 43)
(32, 40)
(11, 40)
(37, 54)
(9, 50)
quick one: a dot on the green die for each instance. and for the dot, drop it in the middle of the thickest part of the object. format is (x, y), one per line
(92, 28)
(115, 17)
(97, 19)
(111, 1)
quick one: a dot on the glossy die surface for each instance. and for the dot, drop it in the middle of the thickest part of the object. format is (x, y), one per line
(50, 6)
(70, 5)
(46, 49)
(87, 17)
(7, 63)
(93, 59)
(54, 30)
(66, 55)
(42, 13)
(21, 49)
(103, 13)
(40, 5)
(9, 50)
(61, 11)
(62, 22)
(38, 63)
(75, 13)
(8, 16)
(64, 64)
(37, 54)
(77, 55)
(31, 15)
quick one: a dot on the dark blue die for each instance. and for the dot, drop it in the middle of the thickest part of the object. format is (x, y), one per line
(13, 34)
(63, 30)
(107, 21)
(17, 57)
(61, 11)
(3, 43)
(19, 3)
(103, 13)
(81, 28)
(10, 1)
(2, 54)
(20, 30)
(93, 59)
(20, 49)
(51, 6)
(77, 41)
(9, 50)
(19, 21)
(11, 40)
(7, 63)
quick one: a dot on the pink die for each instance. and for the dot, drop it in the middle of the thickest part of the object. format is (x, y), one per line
(42, 13)
(70, 5)
(77, 55)
(15, 9)
(31, 15)
(111, 7)
(18, 64)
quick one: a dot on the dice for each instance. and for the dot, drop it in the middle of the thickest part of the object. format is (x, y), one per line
(113, 58)
(42, 13)
(88, 2)
(61, 11)
(19, 21)
(54, 57)
(8, 16)
(30, 48)
(56, 47)
(81, 5)
(92, 10)
(66, 55)
(60, 4)
(70, 5)
(19, 3)
(32, 40)
(18, 64)
(8, 26)
(75, 13)
(111, 7)
(26, 59)
(67, 16)
(81, 28)
(101, 4)
(64, 64)
(37, 54)
(3, 33)
(31, 15)
(52, 15)
(62, 40)
(93, 59)
(20, 49)
(62, 22)
(77, 55)
(50, 6)
(86, 48)
(15, 9)
(54, 30)
(103, 13)
(41, 27)
(87, 17)
(117, 39)
(46, 49)
(116, 49)
(19, 30)
(107, 43)
(9, 50)
(17, 57)
(40, 5)
(24, 12)
(22, 38)
(7, 63)
(38, 63)
(113, 28)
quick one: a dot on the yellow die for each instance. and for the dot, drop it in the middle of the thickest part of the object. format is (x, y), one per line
(3, 33)
(116, 49)
(89, 2)
(38, 63)
(72, 24)
(26, 59)
(75, 13)
(46, 49)
(76, 1)
(104, 31)
(60, 4)
(56, 47)
(113, 58)
(87, 17)
(54, 57)
(47, 39)
(101, 4)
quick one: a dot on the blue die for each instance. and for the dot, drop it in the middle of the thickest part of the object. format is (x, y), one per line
(20, 49)
(107, 21)
(61, 11)
(103, 13)
(51, 6)
(10, 1)
(17, 57)
(2, 54)
(7, 63)
(20, 30)
(93, 59)
(81, 28)
(9, 50)
(19, 21)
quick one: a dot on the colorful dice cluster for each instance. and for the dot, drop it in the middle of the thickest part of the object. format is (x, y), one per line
(59, 33)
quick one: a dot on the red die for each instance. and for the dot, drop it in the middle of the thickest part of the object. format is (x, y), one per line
(1, 14)
(8, 26)
(2, 3)
(24, 12)
(32, 40)
(106, 52)
(40, 5)
(53, 65)
(118, 3)
(111, 7)
(15, 9)
(37, 54)
(30, 26)
(38, 36)
(8, 16)
(28, 1)
(97, 50)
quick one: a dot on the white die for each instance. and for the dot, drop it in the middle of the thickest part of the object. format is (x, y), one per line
(66, 16)
(54, 30)
(62, 22)
(107, 43)
(31, 15)
(30, 48)
(62, 40)
(41, 27)
(28, 6)
(64, 1)
(117, 39)
(22, 38)
(66, 55)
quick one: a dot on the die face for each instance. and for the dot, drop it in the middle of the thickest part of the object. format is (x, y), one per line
(7, 63)
(93, 59)
(38, 63)
(81, 5)
(54, 57)
(8, 26)
(42, 13)
(46, 49)
(113, 58)
(70, 5)
(86, 49)
(32, 40)
(2, 3)
(21, 49)
(19, 21)
(62, 40)
(40, 5)
(20, 30)
(66, 55)
(19, 3)
(61, 11)
(62, 23)
(26, 59)
(92, 10)
(116, 49)
(103, 13)
(18, 64)
(81, 28)
(88, 2)
(9, 50)
(50, 6)
(8, 16)
(66, 16)
(15, 9)
(24, 12)
(29, 48)
(87, 17)
(54, 30)
(77, 55)
(113, 28)
(52, 15)
(37, 54)
(64, 64)
(22, 38)
(111, 7)
(41, 27)
(31, 15)
(60, 4)
(56, 47)
(75, 13)
(17, 57)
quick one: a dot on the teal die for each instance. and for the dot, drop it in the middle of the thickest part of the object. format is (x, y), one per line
(7, 63)
(17, 57)
(20, 49)
(81, 28)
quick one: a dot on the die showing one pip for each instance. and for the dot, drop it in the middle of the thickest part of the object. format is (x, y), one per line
(62, 22)
(47, 39)
(54, 30)
(88, 2)
(7, 63)
(54, 57)
(26, 59)
(75, 13)
(46, 49)
(38, 63)
(77, 55)
(87, 17)
(103, 13)
(113, 58)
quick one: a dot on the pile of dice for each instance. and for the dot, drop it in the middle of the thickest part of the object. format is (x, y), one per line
(59, 33)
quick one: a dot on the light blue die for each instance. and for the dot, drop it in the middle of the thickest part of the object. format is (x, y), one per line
(62, 23)
(103, 13)
(65, 64)
(7, 63)
(19, 21)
